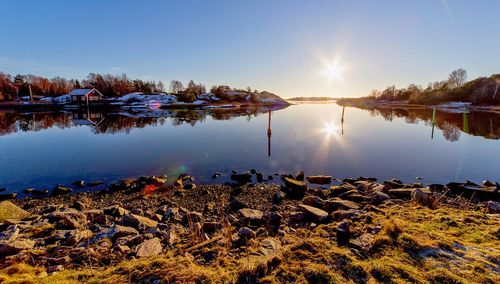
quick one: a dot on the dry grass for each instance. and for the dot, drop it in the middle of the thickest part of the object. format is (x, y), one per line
(414, 245)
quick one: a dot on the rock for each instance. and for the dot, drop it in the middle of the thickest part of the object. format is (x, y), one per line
(2, 189)
(337, 190)
(401, 193)
(10, 234)
(9, 210)
(273, 219)
(379, 197)
(363, 186)
(354, 195)
(343, 232)
(68, 218)
(173, 214)
(94, 183)
(115, 211)
(319, 179)
(149, 248)
(235, 205)
(7, 196)
(269, 246)
(122, 249)
(210, 227)
(190, 186)
(436, 187)
(253, 171)
(242, 178)
(316, 214)
(118, 231)
(246, 233)
(493, 207)
(300, 176)
(76, 236)
(314, 201)
(423, 197)
(270, 177)
(278, 196)
(363, 243)
(60, 190)
(152, 180)
(296, 189)
(259, 176)
(127, 184)
(334, 204)
(79, 183)
(38, 192)
(347, 214)
(296, 217)
(95, 216)
(81, 205)
(192, 217)
(252, 216)
(216, 175)
(16, 246)
(138, 222)
(394, 183)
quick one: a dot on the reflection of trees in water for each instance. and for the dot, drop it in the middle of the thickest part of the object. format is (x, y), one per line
(109, 123)
(485, 124)
(450, 132)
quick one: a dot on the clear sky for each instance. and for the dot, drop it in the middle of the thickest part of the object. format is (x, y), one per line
(282, 46)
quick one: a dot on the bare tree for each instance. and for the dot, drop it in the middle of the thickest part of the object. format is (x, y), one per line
(457, 78)
(176, 86)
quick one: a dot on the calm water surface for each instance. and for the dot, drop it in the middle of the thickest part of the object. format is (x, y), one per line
(42, 149)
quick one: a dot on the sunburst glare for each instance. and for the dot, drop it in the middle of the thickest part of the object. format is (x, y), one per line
(333, 70)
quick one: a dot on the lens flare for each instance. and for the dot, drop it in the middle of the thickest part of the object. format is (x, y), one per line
(333, 71)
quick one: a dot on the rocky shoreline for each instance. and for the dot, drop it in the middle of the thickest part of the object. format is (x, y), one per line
(148, 217)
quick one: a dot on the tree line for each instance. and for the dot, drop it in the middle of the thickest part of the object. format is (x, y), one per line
(480, 91)
(18, 86)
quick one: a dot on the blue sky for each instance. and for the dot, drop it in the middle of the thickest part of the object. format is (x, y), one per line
(274, 45)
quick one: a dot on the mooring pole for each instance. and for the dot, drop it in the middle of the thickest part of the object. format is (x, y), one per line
(433, 122)
(342, 120)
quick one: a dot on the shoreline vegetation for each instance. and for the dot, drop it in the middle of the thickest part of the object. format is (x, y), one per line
(112, 91)
(300, 229)
(481, 94)
(312, 99)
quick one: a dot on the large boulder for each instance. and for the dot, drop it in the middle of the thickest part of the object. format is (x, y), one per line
(242, 178)
(493, 207)
(315, 214)
(296, 189)
(314, 201)
(9, 210)
(15, 247)
(252, 216)
(68, 218)
(335, 204)
(149, 248)
(319, 179)
(61, 190)
(118, 231)
(401, 193)
(336, 190)
(423, 197)
(139, 222)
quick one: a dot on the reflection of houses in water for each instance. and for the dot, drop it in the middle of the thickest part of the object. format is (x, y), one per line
(88, 118)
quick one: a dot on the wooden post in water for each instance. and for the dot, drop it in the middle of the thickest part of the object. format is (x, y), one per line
(465, 122)
(342, 120)
(433, 121)
(269, 132)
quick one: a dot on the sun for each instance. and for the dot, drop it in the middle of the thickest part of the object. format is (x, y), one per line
(333, 70)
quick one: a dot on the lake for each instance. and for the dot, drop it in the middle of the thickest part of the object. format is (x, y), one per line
(46, 148)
